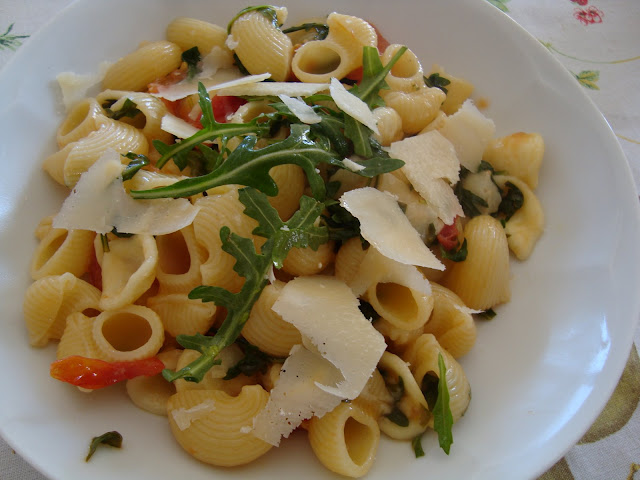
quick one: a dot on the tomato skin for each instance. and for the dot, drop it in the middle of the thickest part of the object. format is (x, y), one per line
(225, 105)
(93, 374)
(448, 236)
(94, 271)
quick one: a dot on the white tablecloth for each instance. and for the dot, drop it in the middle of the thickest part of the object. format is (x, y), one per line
(599, 42)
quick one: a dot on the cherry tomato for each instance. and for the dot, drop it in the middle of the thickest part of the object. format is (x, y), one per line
(448, 236)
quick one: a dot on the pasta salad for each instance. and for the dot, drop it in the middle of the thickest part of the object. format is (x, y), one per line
(273, 228)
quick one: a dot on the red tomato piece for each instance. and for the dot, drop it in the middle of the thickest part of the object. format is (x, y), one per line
(225, 105)
(355, 75)
(448, 236)
(95, 271)
(92, 373)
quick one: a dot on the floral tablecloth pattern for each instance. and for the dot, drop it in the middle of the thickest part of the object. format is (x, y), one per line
(598, 41)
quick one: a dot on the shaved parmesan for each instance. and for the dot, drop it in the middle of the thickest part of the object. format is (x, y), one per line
(431, 165)
(385, 226)
(376, 268)
(177, 127)
(351, 165)
(74, 87)
(352, 105)
(224, 78)
(470, 133)
(295, 395)
(304, 112)
(293, 89)
(100, 203)
(185, 416)
(314, 380)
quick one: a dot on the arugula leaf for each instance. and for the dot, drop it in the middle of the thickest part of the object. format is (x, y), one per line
(322, 30)
(435, 80)
(359, 135)
(416, 444)
(137, 162)
(488, 314)
(511, 202)
(341, 224)
(255, 267)
(398, 417)
(459, 255)
(442, 417)
(192, 58)
(113, 439)
(254, 361)
(429, 389)
(267, 10)
(469, 201)
(373, 75)
(129, 109)
(210, 131)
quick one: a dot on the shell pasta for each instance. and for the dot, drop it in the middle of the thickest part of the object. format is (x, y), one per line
(295, 224)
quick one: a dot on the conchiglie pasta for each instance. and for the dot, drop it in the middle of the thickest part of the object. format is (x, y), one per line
(458, 90)
(389, 125)
(406, 75)
(417, 108)
(262, 47)
(128, 270)
(151, 394)
(50, 300)
(215, 427)
(345, 440)
(179, 260)
(374, 398)
(291, 182)
(451, 322)
(182, 315)
(66, 165)
(128, 333)
(192, 32)
(482, 280)
(62, 251)
(423, 358)
(77, 338)
(84, 118)
(136, 70)
(519, 154)
(526, 225)
(348, 259)
(266, 329)
(307, 261)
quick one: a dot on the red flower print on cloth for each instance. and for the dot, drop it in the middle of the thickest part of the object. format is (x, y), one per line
(582, 3)
(588, 16)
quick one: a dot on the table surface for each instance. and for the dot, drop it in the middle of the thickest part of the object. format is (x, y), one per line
(598, 41)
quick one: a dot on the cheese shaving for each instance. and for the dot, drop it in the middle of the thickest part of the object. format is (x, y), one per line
(293, 89)
(100, 203)
(185, 416)
(315, 379)
(74, 87)
(470, 133)
(177, 127)
(385, 226)
(224, 78)
(431, 165)
(304, 112)
(352, 105)
(351, 165)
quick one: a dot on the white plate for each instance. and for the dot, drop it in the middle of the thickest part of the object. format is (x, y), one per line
(541, 370)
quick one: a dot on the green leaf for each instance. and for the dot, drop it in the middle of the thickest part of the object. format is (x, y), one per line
(129, 109)
(488, 314)
(322, 30)
(254, 361)
(416, 444)
(512, 201)
(250, 167)
(267, 10)
(500, 4)
(435, 80)
(442, 417)
(113, 439)
(359, 135)
(373, 75)
(398, 417)
(192, 58)
(589, 79)
(459, 255)
(137, 162)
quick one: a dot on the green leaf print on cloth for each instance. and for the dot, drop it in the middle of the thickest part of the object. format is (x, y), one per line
(9, 40)
(588, 78)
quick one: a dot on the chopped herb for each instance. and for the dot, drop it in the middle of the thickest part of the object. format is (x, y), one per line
(137, 162)
(416, 444)
(459, 255)
(254, 361)
(192, 58)
(129, 109)
(435, 80)
(429, 389)
(113, 439)
(484, 165)
(104, 241)
(512, 201)
(368, 311)
(469, 201)
(322, 30)
(398, 417)
(442, 417)
(488, 314)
